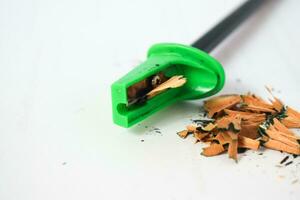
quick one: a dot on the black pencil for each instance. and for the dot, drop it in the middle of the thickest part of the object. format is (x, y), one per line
(219, 32)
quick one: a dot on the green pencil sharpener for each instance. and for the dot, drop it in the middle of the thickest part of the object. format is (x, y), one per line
(204, 77)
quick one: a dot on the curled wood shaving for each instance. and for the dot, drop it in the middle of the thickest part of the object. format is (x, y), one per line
(248, 143)
(217, 104)
(279, 146)
(183, 134)
(288, 134)
(213, 150)
(282, 128)
(258, 109)
(249, 130)
(191, 128)
(199, 136)
(293, 118)
(223, 138)
(209, 127)
(255, 101)
(229, 120)
(246, 116)
(173, 82)
(232, 149)
(276, 135)
(232, 135)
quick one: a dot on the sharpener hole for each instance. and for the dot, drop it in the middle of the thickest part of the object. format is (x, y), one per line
(122, 109)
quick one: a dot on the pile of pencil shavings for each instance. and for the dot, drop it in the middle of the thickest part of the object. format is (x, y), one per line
(234, 123)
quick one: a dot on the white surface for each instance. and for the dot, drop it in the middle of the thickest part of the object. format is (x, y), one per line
(58, 59)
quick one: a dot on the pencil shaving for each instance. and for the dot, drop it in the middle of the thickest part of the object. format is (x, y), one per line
(246, 122)
(173, 82)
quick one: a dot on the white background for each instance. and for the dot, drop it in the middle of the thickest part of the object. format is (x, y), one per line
(58, 59)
